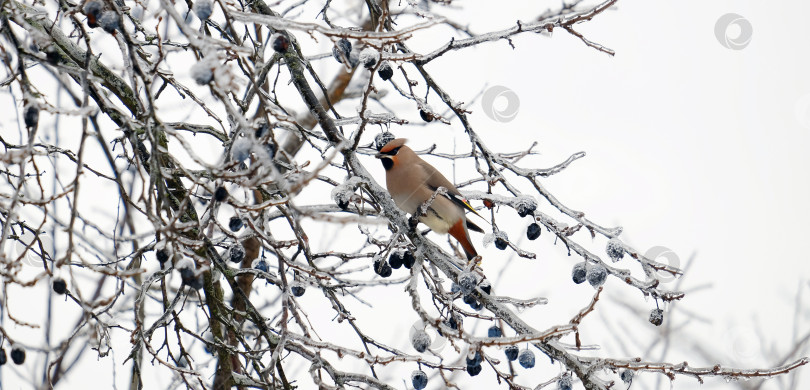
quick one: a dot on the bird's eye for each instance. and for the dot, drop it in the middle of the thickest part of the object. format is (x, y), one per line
(395, 150)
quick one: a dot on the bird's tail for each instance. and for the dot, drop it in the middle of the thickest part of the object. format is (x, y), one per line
(460, 233)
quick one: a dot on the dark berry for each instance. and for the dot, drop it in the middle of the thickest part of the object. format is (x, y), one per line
(368, 57)
(92, 9)
(526, 358)
(237, 253)
(162, 255)
(17, 355)
(419, 379)
(3, 358)
(500, 243)
(420, 340)
(59, 286)
(395, 260)
(533, 231)
(564, 383)
(408, 260)
(476, 359)
(474, 370)
(262, 130)
(382, 268)
(220, 194)
(191, 279)
(298, 289)
(486, 286)
(385, 71)
(262, 266)
(512, 352)
(281, 43)
(31, 116)
(627, 376)
(474, 303)
(451, 323)
(235, 223)
(342, 48)
(597, 274)
(467, 281)
(109, 21)
(382, 139)
(426, 116)
(579, 273)
(657, 317)
(614, 249)
(494, 331)
(203, 9)
(52, 55)
(525, 206)
(202, 73)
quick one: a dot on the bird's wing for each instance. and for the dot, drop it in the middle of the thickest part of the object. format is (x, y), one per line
(435, 179)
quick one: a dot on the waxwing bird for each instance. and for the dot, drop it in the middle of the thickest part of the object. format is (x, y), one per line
(411, 182)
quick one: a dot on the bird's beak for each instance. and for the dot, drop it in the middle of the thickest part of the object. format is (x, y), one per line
(379, 155)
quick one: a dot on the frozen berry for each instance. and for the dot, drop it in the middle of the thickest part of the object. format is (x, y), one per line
(501, 241)
(420, 340)
(281, 43)
(512, 352)
(454, 288)
(474, 370)
(261, 130)
(191, 279)
(52, 55)
(627, 376)
(201, 73)
(385, 71)
(203, 9)
(579, 273)
(235, 223)
(494, 331)
(237, 253)
(408, 260)
(262, 265)
(525, 206)
(382, 139)
(382, 268)
(614, 249)
(564, 383)
(533, 231)
(31, 116)
(17, 355)
(162, 255)
(109, 21)
(369, 57)
(475, 360)
(93, 10)
(486, 286)
(526, 358)
(657, 317)
(467, 282)
(451, 323)
(474, 303)
(3, 358)
(297, 288)
(342, 49)
(419, 379)
(220, 194)
(597, 274)
(488, 204)
(426, 116)
(59, 286)
(395, 260)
